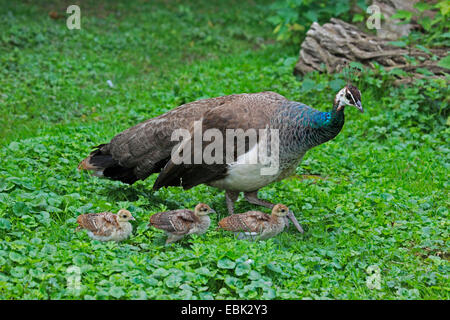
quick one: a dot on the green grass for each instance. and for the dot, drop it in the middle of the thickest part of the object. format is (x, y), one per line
(377, 195)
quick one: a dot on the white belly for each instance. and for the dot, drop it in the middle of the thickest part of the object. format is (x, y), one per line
(248, 173)
(244, 177)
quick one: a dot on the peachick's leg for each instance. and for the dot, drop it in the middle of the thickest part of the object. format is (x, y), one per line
(173, 238)
(231, 197)
(252, 197)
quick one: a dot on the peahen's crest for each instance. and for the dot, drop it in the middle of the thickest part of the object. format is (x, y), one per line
(350, 71)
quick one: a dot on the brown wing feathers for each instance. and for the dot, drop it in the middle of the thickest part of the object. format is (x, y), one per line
(137, 152)
(175, 221)
(245, 113)
(252, 221)
(98, 223)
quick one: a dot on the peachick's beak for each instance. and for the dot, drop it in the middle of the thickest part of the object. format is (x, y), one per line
(291, 217)
(212, 211)
(359, 106)
(132, 218)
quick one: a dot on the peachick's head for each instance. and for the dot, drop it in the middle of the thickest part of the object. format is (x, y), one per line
(124, 216)
(202, 209)
(348, 96)
(280, 210)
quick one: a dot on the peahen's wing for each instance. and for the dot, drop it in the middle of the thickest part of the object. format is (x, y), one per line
(252, 111)
(139, 151)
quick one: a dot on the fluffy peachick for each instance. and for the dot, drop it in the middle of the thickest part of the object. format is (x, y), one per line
(256, 224)
(182, 222)
(107, 226)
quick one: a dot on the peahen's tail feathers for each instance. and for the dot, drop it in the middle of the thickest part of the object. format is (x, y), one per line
(102, 164)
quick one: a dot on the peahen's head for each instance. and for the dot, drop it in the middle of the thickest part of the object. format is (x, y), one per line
(348, 96)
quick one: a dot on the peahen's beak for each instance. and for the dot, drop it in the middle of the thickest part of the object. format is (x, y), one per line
(359, 106)
(291, 217)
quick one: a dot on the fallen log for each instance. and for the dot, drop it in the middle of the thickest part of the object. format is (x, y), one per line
(329, 47)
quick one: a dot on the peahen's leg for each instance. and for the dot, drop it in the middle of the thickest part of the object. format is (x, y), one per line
(252, 197)
(231, 197)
